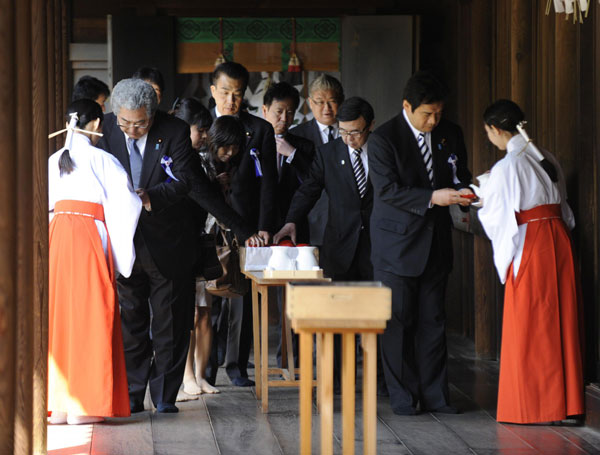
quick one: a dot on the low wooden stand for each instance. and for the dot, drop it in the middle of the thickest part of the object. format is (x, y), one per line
(350, 309)
(294, 274)
(260, 325)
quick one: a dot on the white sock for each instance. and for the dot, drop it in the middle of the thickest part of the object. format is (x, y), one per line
(80, 420)
(58, 418)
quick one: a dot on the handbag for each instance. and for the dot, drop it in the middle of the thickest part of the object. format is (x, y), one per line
(209, 267)
(232, 283)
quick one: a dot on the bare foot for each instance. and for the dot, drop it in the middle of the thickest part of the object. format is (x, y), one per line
(207, 388)
(81, 420)
(191, 388)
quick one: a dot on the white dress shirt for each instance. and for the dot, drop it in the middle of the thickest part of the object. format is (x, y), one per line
(324, 130)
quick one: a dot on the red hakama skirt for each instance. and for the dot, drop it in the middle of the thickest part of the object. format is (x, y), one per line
(541, 376)
(86, 363)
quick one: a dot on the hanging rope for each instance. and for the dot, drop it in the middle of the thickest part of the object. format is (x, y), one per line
(221, 57)
(294, 63)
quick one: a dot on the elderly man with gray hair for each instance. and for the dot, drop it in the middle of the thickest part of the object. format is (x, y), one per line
(155, 149)
(325, 94)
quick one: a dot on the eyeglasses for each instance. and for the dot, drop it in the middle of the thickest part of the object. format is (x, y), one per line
(354, 133)
(135, 125)
(322, 103)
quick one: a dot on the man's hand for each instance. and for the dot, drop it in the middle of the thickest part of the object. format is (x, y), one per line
(265, 236)
(145, 198)
(284, 147)
(288, 230)
(447, 196)
(255, 240)
(466, 201)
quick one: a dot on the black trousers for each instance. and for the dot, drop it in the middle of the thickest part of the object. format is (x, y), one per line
(414, 354)
(360, 269)
(157, 316)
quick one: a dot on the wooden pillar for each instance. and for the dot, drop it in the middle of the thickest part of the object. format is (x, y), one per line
(476, 18)
(51, 75)
(39, 92)
(8, 226)
(25, 46)
(24, 197)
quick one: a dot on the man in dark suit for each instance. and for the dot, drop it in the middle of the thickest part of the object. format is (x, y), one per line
(418, 165)
(155, 150)
(294, 157)
(341, 169)
(253, 197)
(294, 153)
(325, 95)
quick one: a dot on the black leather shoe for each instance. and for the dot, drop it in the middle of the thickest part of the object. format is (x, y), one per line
(242, 382)
(405, 411)
(167, 408)
(446, 410)
(136, 407)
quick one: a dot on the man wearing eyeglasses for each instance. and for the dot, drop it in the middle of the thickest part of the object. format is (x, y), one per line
(155, 149)
(341, 170)
(325, 94)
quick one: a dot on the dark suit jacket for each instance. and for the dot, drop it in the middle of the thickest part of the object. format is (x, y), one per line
(169, 229)
(317, 218)
(309, 130)
(290, 177)
(402, 225)
(252, 196)
(348, 215)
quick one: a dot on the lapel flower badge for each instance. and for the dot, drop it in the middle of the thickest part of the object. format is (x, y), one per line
(166, 162)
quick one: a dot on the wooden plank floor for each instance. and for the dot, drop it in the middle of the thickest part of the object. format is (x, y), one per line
(231, 423)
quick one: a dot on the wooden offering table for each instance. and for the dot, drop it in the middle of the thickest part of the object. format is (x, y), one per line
(348, 308)
(260, 324)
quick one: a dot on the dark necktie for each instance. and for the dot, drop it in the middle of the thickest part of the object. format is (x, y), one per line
(427, 158)
(135, 161)
(359, 173)
(330, 136)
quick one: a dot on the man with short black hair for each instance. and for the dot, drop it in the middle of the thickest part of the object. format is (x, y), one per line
(88, 87)
(253, 197)
(152, 76)
(418, 165)
(340, 167)
(294, 153)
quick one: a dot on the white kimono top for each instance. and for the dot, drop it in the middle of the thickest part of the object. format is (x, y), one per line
(99, 177)
(517, 182)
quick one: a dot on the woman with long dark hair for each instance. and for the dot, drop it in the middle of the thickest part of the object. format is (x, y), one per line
(193, 112)
(94, 213)
(526, 216)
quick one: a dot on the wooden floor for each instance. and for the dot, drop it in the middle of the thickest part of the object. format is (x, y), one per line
(231, 423)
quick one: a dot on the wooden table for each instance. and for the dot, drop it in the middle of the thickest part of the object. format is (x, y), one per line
(349, 309)
(260, 324)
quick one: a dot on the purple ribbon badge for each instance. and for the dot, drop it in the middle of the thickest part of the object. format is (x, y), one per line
(165, 163)
(452, 160)
(254, 154)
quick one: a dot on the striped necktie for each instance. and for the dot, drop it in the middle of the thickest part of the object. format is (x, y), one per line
(427, 158)
(359, 173)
